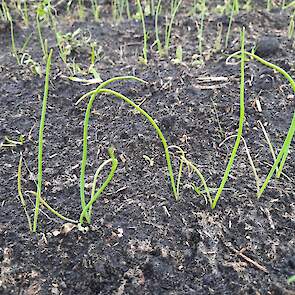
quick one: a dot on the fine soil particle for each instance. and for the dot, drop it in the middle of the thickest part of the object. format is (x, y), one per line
(142, 241)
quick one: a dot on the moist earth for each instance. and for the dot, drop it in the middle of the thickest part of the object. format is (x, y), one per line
(142, 241)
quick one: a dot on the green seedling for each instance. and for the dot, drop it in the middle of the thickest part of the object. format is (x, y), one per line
(145, 35)
(20, 194)
(178, 55)
(40, 147)
(241, 123)
(100, 90)
(282, 156)
(35, 68)
(174, 7)
(86, 212)
(9, 18)
(118, 9)
(95, 10)
(13, 143)
(81, 10)
(291, 27)
(236, 6)
(201, 27)
(190, 165)
(230, 25)
(41, 13)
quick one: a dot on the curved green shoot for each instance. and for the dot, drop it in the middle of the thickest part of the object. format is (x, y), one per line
(282, 156)
(99, 169)
(184, 160)
(200, 175)
(106, 83)
(53, 211)
(20, 193)
(93, 94)
(174, 8)
(40, 147)
(241, 123)
(86, 209)
(157, 129)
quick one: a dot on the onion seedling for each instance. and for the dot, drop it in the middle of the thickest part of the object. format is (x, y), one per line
(40, 148)
(229, 25)
(86, 212)
(40, 14)
(145, 35)
(201, 27)
(20, 193)
(282, 156)
(241, 122)
(174, 7)
(100, 90)
(8, 16)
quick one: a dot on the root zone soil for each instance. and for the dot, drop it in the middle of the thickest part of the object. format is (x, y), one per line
(141, 240)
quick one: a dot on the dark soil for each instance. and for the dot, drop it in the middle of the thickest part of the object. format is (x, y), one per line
(141, 240)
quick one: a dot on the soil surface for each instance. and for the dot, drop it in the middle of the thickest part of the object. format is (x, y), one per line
(142, 241)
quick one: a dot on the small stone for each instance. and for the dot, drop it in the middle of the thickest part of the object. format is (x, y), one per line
(267, 46)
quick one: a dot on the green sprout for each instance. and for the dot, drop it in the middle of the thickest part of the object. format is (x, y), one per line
(40, 148)
(280, 160)
(282, 156)
(145, 35)
(13, 46)
(174, 7)
(241, 122)
(100, 90)
(86, 212)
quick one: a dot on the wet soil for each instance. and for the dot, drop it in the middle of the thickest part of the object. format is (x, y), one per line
(141, 241)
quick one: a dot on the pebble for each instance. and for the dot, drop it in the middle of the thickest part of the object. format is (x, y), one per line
(267, 46)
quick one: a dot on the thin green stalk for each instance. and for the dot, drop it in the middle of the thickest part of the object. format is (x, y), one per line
(158, 41)
(13, 47)
(19, 189)
(99, 169)
(174, 8)
(236, 6)
(93, 93)
(53, 211)
(42, 43)
(200, 175)
(157, 129)
(201, 29)
(95, 10)
(40, 148)
(106, 83)
(229, 26)
(85, 212)
(285, 149)
(241, 122)
(145, 36)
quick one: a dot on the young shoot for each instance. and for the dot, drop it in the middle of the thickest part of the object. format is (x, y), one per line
(40, 148)
(13, 46)
(174, 7)
(241, 123)
(100, 90)
(145, 35)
